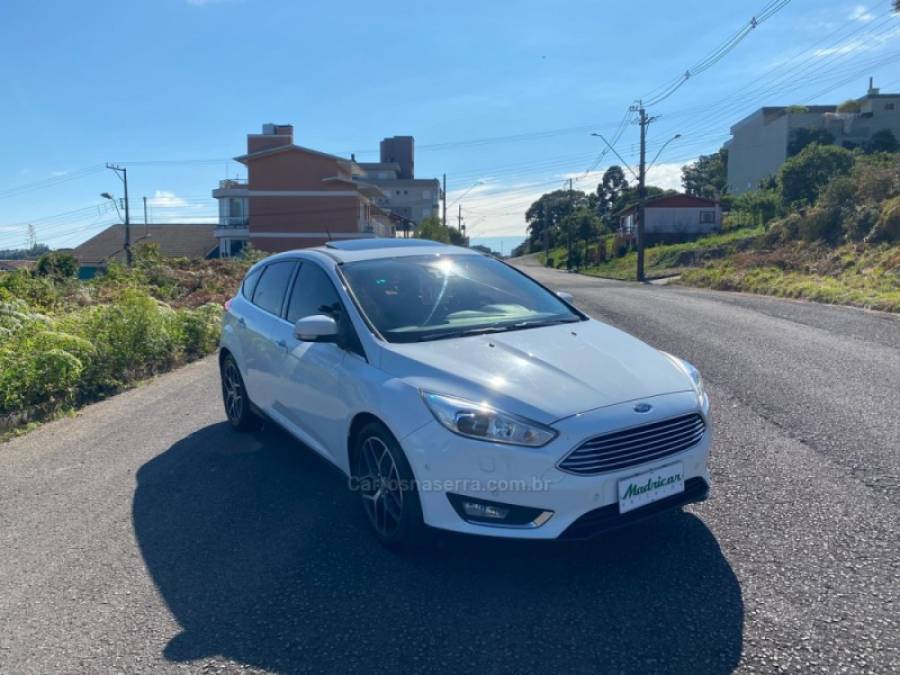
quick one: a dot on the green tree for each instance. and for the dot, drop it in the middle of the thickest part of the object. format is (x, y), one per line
(707, 176)
(581, 227)
(802, 177)
(757, 207)
(433, 229)
(57, 265)
(883, 141)
(610, 188)
(802, 137)
(544, 216)
(32, 253)
(850, 105)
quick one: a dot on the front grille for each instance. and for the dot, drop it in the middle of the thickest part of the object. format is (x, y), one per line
(637, 445)
(608, 518)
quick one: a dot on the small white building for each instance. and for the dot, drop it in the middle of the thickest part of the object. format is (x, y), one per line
(672, 217)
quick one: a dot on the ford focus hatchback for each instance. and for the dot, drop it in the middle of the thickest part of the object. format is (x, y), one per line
(455, 392)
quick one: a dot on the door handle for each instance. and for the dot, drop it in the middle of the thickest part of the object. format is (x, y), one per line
(281, 344)
(243, 322)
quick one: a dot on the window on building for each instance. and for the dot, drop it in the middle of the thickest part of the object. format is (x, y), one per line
(426, 194)
(888, 106)
(271, 287)
(707, 217)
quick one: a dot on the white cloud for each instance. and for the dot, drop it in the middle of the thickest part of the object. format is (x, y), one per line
(861, 14)
(496, 209)
(56, 174)
(666, 176)
(164, 199)
(859, 45)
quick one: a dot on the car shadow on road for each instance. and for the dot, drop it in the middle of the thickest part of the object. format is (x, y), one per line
(263, 557)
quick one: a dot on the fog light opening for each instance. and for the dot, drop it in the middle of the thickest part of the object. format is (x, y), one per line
(480, 510)
(484, 512)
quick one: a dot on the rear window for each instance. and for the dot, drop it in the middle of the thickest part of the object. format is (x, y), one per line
(249, 284)
(272, 285)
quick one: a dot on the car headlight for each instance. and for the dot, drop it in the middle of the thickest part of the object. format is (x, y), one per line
(696, 378)
(482, 422)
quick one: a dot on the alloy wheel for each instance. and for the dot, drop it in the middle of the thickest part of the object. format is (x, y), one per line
(232, 391)
(382, 492)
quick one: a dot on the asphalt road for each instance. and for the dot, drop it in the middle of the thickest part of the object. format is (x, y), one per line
(145, 536)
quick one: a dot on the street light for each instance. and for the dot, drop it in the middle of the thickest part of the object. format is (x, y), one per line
(608, 145)
(659, 152)
(468, 190)
(108, 196)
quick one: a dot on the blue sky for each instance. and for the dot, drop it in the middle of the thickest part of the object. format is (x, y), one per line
(501, 96)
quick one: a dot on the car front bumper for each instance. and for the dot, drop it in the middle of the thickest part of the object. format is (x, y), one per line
(580, 506)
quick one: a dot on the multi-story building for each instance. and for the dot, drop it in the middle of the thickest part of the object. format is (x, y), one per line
(409, 199)
(295, 197)
(759, 143)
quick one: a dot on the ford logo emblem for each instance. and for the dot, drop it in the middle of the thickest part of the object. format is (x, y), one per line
(642, 407)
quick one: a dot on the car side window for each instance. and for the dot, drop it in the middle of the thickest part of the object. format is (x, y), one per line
(272, 285)
(313, 293)
(249, 284)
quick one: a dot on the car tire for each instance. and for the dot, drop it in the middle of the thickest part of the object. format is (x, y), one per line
(238, 409)
(387, 489)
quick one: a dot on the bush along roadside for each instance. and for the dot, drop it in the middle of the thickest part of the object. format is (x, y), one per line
(65, 343)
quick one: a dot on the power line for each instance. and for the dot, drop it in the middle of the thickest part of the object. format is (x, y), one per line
(721, 52)
(51, 182)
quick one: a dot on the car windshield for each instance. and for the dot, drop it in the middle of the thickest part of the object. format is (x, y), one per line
(434, 297)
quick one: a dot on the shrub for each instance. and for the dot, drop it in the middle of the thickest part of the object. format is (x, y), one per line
(883, 140)
(59, 265)
(821, 224)
(620, 246)
(199, 329)
(755, 208)
(135, 336)
(802, 177)
(888, 226)
(38, 291)
(784, 230)
(859, 224)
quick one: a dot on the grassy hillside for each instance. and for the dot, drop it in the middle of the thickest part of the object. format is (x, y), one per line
(852, 274)
(66, 342)
(826, 227)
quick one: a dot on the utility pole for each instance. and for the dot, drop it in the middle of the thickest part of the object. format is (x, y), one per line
(570, 185)
(122, 173)
(145, 213)
(445, 201)
(642, 190)
(459, 219)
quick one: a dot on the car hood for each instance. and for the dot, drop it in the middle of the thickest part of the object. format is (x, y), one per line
(542, 373)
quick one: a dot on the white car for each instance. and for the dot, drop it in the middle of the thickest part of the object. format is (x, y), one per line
(458, 393)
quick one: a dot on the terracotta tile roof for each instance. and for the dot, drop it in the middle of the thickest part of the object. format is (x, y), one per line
(175, 240)
(10, 265)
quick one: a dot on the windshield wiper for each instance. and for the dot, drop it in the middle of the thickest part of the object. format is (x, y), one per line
(500, 328)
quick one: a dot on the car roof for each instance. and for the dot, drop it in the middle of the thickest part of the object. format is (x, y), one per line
(353, 250)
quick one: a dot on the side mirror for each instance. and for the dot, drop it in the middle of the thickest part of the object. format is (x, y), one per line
(316, 328)
(567, 297)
